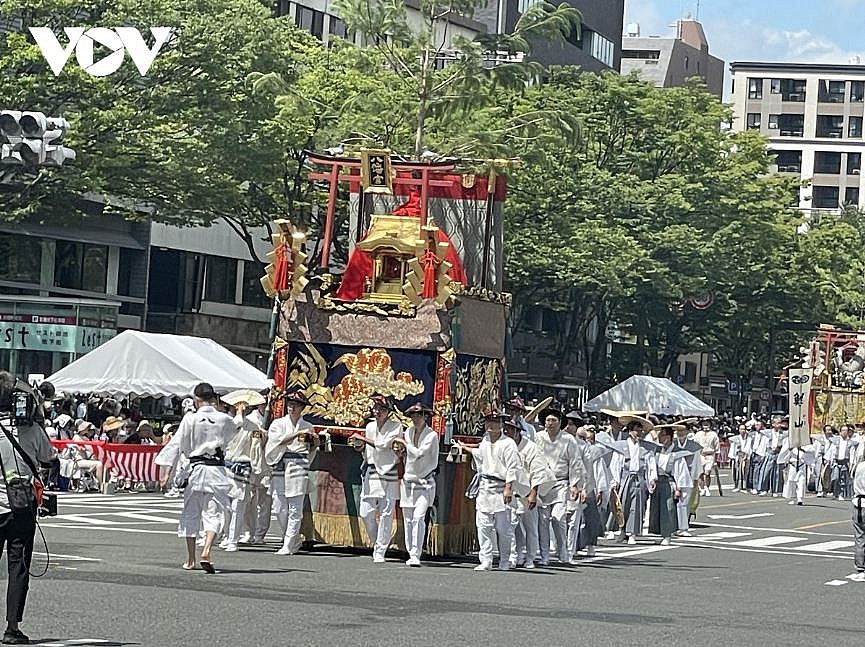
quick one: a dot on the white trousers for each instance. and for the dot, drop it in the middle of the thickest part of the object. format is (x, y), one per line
(501, 524)
(525, 541)
(236, 517)
(289, 512)
(682, 508)
(377, 515)
(414, 524)
(575, 520)
(795, 485)
(554, 515)
(258, 512)
(201, 511)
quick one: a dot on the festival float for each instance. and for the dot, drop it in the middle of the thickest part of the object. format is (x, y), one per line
(416, 315)
(831, 382)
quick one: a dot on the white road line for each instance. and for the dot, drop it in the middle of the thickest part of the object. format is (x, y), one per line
(717, 536)
(80, 518)
(835, 583)
(790, 530)
(779, 551)
(73, 558)
(764, 542)
(827, 546)
(144, 517)
(645, 550)
(741, 516)
(114, 528)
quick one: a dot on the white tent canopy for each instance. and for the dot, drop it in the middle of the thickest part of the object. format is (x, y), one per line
(141, 364)
(656, 395)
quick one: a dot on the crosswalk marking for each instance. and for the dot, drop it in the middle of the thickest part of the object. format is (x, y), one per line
(144, 517)
(765, 542)
(827, 546)
(80, 518)
(835, 583)
(716, 536)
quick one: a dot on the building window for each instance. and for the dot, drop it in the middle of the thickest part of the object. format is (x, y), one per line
(832, 91)
(600, 48)
(686, 62)
(338, 28)
(755, 88)
(791, 125)
(647, 54)
(220, 279)
(830, 126)
(824, 197)
(280, 8)
(857, 91)
(753, 121)
(131, 272)
(789, 161)
(253, 293)
(20, 258)
(789, 89)
(773, 122)
(855, 127)
(825, 162)
(854, 163)
(310, 20)
(851, 195)
(80, 266)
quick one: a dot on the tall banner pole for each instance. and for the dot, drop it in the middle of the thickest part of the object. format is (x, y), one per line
(799, 392)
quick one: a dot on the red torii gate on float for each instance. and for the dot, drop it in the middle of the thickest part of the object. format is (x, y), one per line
(334, 176)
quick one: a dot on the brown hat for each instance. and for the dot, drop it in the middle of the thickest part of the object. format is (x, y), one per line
(111, 423)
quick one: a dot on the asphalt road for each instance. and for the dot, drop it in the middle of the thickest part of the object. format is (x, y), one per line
(759, 572)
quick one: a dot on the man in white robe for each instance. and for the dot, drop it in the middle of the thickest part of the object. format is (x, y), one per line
(260, 508)
(562, 454)
(420, 451)
(686, 473)
(739, 458)
(597, 456)
(498, 466)
(290, 448)
(798, 462)
(711, 444)
(203, 437)
(524, 547)
(381, 478)
(638, 476)
(245, 460)
(825, 449)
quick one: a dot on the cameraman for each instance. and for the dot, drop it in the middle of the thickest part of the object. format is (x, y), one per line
(17, 530)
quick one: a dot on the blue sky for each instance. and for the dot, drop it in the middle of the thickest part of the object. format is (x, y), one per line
(802, 31)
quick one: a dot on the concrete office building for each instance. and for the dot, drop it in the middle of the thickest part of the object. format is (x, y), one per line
(812, 115)
(670, 62)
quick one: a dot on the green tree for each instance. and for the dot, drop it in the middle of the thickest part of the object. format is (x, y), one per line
(188, 143)
(658, 205)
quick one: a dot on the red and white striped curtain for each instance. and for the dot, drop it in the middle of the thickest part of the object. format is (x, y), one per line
(133, 462)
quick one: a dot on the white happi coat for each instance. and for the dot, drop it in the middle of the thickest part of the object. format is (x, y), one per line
(498, 463)
(797, 460)
(380, 479)
(200, 434)
(536, 471)
(290, 463)
(563, 457)
(421, 463)
(600, 469)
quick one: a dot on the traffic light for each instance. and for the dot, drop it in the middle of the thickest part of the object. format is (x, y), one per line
(32, 139)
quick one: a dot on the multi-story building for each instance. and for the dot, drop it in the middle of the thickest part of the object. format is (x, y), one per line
(597, 47)
(670, 62)
(812, 115)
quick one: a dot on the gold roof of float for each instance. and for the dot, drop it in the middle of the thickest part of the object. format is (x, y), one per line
(391, 233)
